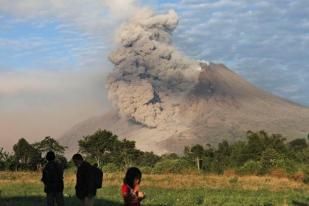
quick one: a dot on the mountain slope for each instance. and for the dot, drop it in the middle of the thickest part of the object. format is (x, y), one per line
(221, 106)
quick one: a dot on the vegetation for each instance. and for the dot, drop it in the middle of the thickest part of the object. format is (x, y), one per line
(260, 154)
(264, 169)
(28, 156)
(25, 189)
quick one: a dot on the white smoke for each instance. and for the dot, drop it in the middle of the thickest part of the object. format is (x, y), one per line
(150, 77)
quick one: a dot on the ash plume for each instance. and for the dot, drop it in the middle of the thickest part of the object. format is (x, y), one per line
(151, 77)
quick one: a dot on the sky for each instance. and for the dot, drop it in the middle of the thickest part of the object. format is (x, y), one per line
(54, 53)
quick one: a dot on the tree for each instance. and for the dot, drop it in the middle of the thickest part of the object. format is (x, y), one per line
(3, 155)
(148, 159)
(239, 153)
(26, 155)
(98, 145)
(127, 153)
(298, 144)
(195, 154)
(260, 141)
(49, 144)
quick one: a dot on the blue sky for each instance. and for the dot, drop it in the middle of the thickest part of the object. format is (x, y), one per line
(53, 53)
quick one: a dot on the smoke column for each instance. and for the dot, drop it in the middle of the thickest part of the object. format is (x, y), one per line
(151, 77)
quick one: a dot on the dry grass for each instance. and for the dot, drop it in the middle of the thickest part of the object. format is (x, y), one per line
(172, 181)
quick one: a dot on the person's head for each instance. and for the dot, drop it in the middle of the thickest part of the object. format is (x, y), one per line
(133, 177)
(77, 159)
(50, 156)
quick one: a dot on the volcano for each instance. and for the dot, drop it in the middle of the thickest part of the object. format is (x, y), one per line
(164, 100)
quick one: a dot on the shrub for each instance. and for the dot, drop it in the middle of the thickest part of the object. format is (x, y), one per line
(306, 175)
(270, 158)
(233, 180)
(290, 166)
(110, 167)
(146, 169)
(173, 166)
(250, 167)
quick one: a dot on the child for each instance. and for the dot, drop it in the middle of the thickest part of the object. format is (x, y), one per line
(130, 187)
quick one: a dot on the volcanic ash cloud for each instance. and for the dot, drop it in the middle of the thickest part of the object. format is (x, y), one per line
(150, 78)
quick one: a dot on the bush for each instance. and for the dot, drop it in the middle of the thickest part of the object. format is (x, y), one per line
(233, 180)
(306, 175)
(270, 159)
(173, 166)
(111, 167)
(146, 169)
(290, 166)
(250, 167)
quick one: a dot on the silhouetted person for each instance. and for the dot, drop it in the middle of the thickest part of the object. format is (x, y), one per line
(85, 187)
(52, 178)
(130, 190)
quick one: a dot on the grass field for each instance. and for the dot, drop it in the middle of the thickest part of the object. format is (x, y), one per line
(25, 189)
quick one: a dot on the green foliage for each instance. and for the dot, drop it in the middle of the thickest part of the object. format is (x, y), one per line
(260, 154)
(98, 145)
(233, 180)
(110, 167)
(250, 167)
(49, 144)
(26, 156)
(239, 154)
(260, 141)
(105, 148)
(298, 144)
(147, 159)
(4, 159)
(173, 166)
(306, 174)
(270, 158)
(170, 156)
(126, 153)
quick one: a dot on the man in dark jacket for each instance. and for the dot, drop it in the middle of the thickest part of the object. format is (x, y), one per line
(85, 186)
(52, 178)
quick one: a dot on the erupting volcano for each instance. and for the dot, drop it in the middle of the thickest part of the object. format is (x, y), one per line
(164, 100)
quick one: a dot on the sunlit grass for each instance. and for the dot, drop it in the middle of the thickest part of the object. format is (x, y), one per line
(24, 188)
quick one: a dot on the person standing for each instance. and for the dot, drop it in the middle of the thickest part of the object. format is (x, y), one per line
(130, 190)
(85, 186)
(52, 177)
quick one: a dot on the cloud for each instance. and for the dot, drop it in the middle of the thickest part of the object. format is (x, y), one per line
(53, 68)
(90, 16)
(258, 39)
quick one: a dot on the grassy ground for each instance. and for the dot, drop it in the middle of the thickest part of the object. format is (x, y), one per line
(25, 189)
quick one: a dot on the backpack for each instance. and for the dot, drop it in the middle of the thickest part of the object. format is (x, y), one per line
(97, 176)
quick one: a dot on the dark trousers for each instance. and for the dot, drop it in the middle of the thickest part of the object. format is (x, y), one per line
(54, 197)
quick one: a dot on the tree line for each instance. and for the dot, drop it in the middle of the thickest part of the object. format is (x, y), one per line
(258, 154)
(28, 156)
